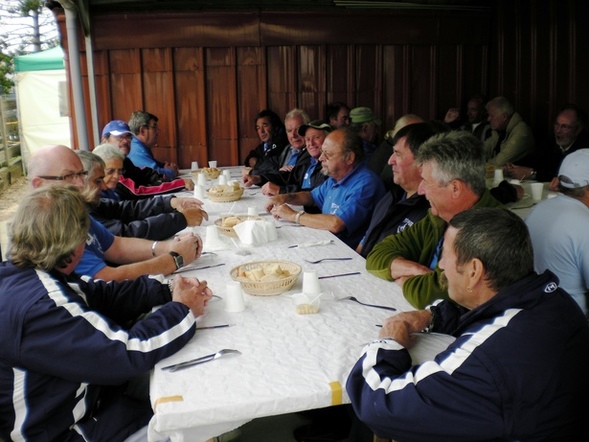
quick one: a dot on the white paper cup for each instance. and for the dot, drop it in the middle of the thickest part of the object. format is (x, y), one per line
(537, 189)
(199, 192)
(222, 179)
(234, 301)
(252, 211)
(201, 179)
(212, 233)
(227, 174)
(194, 165)
(212, 164)
(498, 176)
(311, 284)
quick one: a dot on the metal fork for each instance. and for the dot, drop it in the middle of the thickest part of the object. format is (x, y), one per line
(326, 259)
(353, 298)
(201, 360)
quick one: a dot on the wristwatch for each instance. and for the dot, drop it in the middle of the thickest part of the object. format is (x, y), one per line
(178, 260)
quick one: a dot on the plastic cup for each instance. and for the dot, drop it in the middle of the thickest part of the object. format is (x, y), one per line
(311, 284)
(212, 233)
(498, 176)
(213, 164)
(537, 189)
(227, 174)
(234, 301)
(201, 179)
(199, 192)
(194, 165)
(222, 179)
(252, 211)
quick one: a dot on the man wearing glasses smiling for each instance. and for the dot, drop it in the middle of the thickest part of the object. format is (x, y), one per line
(145, 130)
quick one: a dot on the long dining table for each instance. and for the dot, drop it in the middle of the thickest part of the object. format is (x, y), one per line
(289, 362)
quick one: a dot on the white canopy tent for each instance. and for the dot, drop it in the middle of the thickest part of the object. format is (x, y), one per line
(41, 94)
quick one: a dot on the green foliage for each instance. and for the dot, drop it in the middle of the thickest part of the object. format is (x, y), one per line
(6, 71)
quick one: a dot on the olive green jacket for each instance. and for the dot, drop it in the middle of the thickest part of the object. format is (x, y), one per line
(417, 243)
(518, 143)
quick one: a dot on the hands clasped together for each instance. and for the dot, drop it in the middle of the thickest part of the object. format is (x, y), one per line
(192, 293)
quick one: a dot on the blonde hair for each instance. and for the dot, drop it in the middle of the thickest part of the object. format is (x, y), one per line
(50, 223)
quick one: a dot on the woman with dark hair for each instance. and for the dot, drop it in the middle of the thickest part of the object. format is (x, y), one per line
(270, 129)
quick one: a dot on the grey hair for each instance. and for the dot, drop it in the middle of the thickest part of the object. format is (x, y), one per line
(140, 119)
(499, 239)
(294, 113)
(108, 151)
(90, 161)
(502, 104)
(456, 155)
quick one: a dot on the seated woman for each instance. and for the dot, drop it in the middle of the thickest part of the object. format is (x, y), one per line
(270, 129)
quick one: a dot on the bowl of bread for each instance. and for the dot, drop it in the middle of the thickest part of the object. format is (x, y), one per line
(266, 278)
(225, 193)
(210, 172)
(226, 224)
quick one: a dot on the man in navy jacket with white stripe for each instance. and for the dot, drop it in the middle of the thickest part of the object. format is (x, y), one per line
(517, 369)
(69, 346)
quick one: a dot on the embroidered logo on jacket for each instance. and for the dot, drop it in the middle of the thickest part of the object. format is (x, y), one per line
(550, 287)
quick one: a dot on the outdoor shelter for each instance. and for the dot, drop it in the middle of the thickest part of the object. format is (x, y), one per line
(41, 93)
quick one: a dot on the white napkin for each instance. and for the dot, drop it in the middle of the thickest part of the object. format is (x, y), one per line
(254, 232)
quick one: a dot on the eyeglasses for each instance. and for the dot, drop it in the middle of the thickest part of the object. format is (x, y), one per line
(113, 171)
(69, 177)
(565, 127)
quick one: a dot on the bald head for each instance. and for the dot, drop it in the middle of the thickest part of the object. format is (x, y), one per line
(54, 161)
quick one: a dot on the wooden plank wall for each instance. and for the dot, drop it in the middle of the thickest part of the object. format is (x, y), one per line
(206, 75)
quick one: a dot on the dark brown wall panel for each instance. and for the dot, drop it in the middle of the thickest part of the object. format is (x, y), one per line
(221, 105)
(282, 78)
(189, 87)
(251, 95)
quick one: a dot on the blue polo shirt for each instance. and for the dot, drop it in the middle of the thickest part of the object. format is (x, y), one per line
(99, 240)
(352, 199)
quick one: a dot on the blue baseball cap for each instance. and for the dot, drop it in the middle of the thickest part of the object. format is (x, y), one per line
(116, 128)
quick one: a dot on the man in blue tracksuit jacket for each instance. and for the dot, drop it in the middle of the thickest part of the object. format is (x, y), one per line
(517, 369)
(69, 346)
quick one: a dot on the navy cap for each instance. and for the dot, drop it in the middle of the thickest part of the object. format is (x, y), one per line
(116, 128)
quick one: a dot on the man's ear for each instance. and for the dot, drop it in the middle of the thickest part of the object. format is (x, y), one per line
(36, 182)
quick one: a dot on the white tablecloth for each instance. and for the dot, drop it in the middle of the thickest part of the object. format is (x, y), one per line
(289, 362)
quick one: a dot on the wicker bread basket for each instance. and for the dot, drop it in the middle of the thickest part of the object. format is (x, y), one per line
(225, 197)
(210, 173)
(269, 288)
(230, 231)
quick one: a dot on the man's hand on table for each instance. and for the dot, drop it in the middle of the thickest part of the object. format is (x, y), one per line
(188, 245)
(283, 211)
(270, 189)
(401, 326)
(191, 292)
(188, 184)
(194, 216)
(183, 203)
(250, 180)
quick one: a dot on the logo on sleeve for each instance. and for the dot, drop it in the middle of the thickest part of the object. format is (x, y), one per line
(550, 287)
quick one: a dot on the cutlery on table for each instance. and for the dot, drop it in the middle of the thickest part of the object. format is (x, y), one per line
(325, 259)
(190, 268)
(214, 326)
(311, 243)
(353, 298)
(201, 360)
(338, 275)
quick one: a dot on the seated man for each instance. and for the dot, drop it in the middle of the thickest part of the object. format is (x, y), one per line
(272, 135)
(156, 218)
(476, 118)
(69, 346)
(137, 182)
(270, 168)
(305, 175)
(558, 227)
(131, 257)
(402, 206)
(453, 180)
(517, 369)
(512, 139)
(346, 199)
(338, 115)
(145, 133)
(365, 123)
(570, 135)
